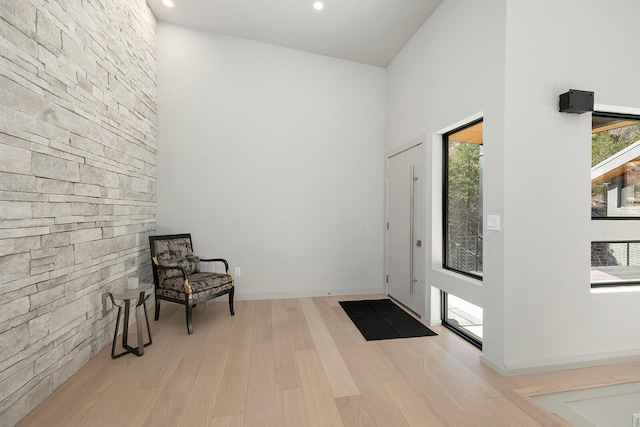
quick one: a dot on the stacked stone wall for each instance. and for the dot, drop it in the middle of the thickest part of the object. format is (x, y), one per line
(77, 182)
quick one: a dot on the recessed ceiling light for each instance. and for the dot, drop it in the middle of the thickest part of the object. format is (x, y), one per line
(168, 3)
(318, 5)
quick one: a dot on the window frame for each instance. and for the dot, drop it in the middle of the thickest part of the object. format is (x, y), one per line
(445, 198)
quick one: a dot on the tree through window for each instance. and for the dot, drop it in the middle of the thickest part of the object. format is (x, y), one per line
(463, 199)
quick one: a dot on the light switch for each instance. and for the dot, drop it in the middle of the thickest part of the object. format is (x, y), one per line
(493, 222)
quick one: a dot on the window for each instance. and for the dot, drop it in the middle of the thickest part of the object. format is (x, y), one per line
(615, 194)
(615, 166)
(462, 193)
(462, 317)
(615, 264)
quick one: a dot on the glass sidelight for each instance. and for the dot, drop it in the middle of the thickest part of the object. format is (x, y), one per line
(462, 317)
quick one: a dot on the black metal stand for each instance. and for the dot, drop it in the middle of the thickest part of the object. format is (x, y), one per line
(139, 350)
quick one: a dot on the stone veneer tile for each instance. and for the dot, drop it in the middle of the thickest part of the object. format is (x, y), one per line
(15, 210)
(16, 246)
(48, 359)
(17, 380)
(77, 182)
(74, 361)
(46, 166)
(14, 267)
(16, 406)
(15, 160)
(56, 240)
(13, 341)
(15, 182)
(23, 232)
(17, 307)
(48, 186)
(89, 190)
(86, 235)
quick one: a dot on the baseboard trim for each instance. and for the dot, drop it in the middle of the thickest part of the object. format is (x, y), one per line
(302, 294)
(563, 363)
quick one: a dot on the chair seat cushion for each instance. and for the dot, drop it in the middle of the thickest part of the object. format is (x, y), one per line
(202, 284)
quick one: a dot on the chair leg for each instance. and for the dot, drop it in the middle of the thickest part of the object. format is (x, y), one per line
(189, 309)
(231, 301)
(157, 309)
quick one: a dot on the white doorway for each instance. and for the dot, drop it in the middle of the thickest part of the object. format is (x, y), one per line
(405, 217)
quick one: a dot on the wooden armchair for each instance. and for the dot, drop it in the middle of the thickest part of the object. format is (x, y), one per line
(177, 276)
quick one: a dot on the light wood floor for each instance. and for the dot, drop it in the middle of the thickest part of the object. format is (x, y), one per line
(301, 362)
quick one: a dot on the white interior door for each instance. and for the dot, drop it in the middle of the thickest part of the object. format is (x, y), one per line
(405, 214)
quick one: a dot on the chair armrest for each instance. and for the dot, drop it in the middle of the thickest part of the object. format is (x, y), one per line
(226, 264)
(166, 267)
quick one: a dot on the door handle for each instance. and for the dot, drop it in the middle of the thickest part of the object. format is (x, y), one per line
(412, 201)
(419, 243)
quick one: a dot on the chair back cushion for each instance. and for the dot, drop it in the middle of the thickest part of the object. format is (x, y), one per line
(190, 263)
(175, 252)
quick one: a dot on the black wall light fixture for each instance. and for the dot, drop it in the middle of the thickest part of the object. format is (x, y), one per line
(576, 101)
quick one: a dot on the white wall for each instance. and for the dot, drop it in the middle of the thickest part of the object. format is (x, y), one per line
(274, 159)
(452, 70)
(510, 60)
(552, 47)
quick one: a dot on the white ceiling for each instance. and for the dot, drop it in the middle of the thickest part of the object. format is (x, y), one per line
(366, 31)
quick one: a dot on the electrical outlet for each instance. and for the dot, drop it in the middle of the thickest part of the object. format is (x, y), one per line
(107, 305)
(636, 420)
(238, 272)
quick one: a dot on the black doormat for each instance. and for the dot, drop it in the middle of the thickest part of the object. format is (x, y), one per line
(381, 319)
